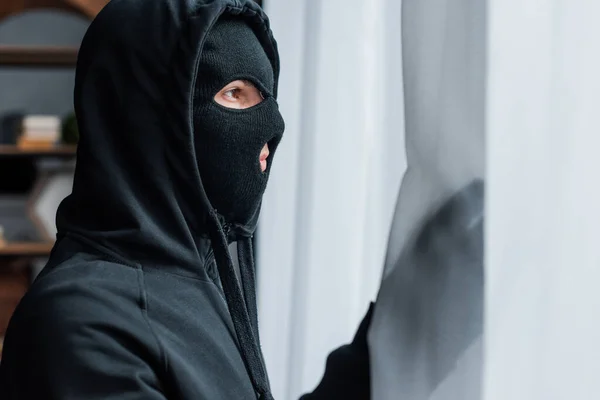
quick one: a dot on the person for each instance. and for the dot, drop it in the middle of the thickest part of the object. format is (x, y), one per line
(140, 299)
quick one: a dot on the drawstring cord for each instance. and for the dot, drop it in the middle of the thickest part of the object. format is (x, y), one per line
(246, 261)
(247, 272)
(242, 306)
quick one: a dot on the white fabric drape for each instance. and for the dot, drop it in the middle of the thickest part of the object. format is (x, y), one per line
(328, 207)
(332, 189)
(426, 333)
(543, 201)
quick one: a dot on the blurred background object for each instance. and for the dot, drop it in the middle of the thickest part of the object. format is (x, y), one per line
(70, 131)
(38, 135)
(39, 132)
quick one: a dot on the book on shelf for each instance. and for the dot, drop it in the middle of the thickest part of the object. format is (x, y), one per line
(33, 144)
(41, 123)
(39, 131)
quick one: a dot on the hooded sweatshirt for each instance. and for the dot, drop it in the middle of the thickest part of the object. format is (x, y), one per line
(140, 299)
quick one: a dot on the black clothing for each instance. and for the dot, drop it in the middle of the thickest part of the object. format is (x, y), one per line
(229, 141)
(130, 304)
(347, 375)
(139, 299)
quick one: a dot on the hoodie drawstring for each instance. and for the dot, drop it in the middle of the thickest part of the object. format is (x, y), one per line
(246, 262)
(242, 306)
(248, 277)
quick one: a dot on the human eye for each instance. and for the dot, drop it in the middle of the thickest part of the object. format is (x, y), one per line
(232, 94)
(239, 94)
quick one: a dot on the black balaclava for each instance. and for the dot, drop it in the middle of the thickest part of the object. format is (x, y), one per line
(228, 141)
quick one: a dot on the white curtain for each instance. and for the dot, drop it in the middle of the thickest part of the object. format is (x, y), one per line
(425, 336)
(543, 201)
(542, 266)
(327, 211)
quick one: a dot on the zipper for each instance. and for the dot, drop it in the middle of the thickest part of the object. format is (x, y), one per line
(226, 229)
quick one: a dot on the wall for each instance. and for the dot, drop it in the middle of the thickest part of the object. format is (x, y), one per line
(39, 91)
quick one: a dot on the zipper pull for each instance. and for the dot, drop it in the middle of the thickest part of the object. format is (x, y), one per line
(226, 229)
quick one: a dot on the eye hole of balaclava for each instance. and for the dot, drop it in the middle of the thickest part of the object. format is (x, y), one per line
(228, 141)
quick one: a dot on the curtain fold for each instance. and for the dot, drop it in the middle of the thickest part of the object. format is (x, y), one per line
(426, 334)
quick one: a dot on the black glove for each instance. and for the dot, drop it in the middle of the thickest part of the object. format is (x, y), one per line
(347, 370)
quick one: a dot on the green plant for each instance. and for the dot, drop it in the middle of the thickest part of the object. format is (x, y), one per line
(70, 132)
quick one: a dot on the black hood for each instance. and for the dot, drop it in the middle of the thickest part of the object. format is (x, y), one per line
(137, 185)
(137, 192)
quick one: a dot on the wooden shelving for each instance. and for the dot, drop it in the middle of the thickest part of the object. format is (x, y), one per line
(86, 8)
(38, 56)
(26, 249)
(55, 151)
(16, 257)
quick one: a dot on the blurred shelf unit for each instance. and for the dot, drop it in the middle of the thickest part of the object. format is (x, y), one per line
(18, 247)
(42, 56)
(38, 56)
(85, 8)
(59, 150)
(26, 249)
